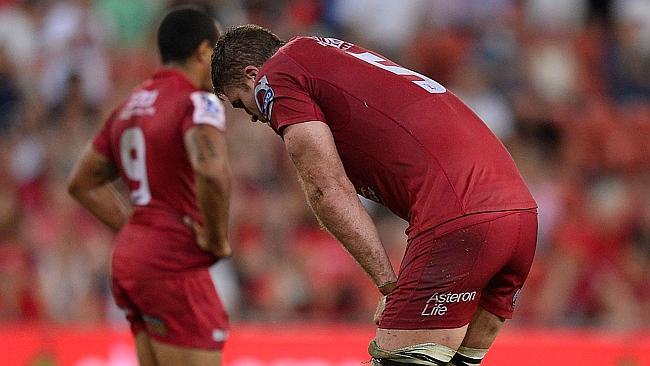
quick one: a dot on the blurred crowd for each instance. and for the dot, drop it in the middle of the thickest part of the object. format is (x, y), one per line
(565, 84)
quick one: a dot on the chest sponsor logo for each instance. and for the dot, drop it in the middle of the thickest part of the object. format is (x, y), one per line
(140, 103)
(438, 304)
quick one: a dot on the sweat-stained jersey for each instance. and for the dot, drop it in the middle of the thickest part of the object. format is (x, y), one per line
(404, 140)
(144, 138)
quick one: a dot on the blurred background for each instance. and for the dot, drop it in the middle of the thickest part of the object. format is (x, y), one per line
(565, 84)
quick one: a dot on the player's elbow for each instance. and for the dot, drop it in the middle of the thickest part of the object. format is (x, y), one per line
(75, 188)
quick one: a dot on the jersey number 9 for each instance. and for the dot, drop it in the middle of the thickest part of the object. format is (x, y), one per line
(134, 164)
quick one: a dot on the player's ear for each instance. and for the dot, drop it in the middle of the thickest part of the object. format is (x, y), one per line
(250, 72)
(204, 51)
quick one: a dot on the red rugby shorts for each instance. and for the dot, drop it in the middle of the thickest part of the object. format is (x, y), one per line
(446, 273)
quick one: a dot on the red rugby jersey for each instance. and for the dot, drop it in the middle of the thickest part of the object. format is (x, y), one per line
(404, 140)
(144, 138)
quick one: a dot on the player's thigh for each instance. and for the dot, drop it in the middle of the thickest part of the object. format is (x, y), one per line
(120, 289)
(500, 294)
(171, 355)
(482, 330)
(143, 346)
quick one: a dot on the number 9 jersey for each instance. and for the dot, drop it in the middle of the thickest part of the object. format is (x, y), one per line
(144, 139)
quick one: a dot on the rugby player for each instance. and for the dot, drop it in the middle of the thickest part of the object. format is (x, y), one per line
(354, 122)
(166, 142)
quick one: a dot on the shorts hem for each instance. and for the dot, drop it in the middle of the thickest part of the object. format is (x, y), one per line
(494, 310)
(194, 345)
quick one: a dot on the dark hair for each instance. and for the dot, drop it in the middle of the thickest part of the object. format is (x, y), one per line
(240, 47)
(182, 31)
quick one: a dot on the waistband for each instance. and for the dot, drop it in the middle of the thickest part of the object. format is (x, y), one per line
(467, 220)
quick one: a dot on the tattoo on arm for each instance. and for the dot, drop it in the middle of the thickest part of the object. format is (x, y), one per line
(198, 152)
(208, 146)
(201, 146)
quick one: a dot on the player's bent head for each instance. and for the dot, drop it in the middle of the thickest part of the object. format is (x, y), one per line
(246, 45)
(182, 31)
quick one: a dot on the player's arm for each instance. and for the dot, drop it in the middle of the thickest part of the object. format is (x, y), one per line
(206, 149)
(90, 184)
(334, 200)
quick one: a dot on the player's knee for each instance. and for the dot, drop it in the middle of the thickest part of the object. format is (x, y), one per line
(428, 354)
(466, 356)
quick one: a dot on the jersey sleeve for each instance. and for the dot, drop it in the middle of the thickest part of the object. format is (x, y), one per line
(205, 109)
(282, 94)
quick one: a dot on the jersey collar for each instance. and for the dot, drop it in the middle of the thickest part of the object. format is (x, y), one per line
(168, 72)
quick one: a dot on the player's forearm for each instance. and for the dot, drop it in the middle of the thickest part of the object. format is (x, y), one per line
(105, 203)
(213, 196)
(206, 150)
(345, 217)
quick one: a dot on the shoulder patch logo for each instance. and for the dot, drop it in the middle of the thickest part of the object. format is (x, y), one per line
(208, 110)
(264, 96)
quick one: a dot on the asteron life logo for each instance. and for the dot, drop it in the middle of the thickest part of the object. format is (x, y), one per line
(437, 305)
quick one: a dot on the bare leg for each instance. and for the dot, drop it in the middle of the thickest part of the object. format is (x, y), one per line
(483, 329)
(170, 355)
(481, 333)
(146, 357)
(391, 339)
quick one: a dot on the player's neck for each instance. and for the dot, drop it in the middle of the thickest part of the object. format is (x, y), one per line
(190, 72)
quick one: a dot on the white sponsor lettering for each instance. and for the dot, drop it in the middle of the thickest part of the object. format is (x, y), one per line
(434, 309)
(451, 297)
(435, 305)
(140, 104)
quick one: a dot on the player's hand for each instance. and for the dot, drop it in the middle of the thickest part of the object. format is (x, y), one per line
(222, 252)
(385, 289)
(203, 242)
(380, 310)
